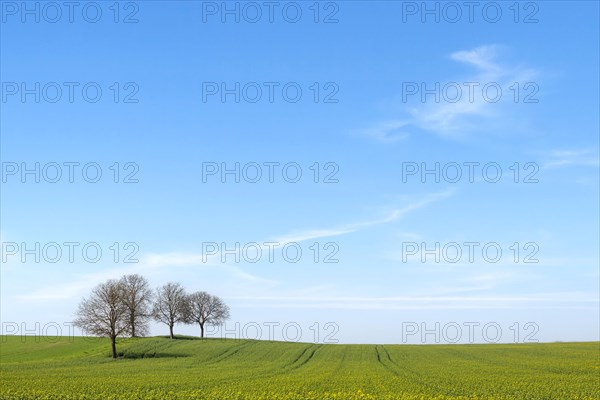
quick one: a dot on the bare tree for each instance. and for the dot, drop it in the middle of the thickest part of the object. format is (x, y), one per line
(204, 308)
(103, 313)
(137, 297)
(170, 305)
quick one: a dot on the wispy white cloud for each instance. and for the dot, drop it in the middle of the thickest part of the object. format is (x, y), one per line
(77, 287)
(153, 264)
(544, 300)
(586, 157)
(458, 118)
(166, 260)
(157, 262)
(479, 282)
(392, 216)
(216, 258)
(482, 58)
(389, 131)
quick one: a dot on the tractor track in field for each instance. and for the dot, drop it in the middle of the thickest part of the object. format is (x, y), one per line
(299, 356)
(228, 353)
(380, 361)
(414, 376)
(389, 357)
(314, 348)
(402, 371)
(297, 363)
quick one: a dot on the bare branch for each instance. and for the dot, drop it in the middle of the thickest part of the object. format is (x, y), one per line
(170, 306)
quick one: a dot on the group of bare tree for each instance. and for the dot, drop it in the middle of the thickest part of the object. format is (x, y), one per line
(125, 307)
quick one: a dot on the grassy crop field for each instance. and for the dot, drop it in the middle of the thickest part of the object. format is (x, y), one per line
(160, 368)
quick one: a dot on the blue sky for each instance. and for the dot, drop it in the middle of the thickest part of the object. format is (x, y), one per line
(365, 132)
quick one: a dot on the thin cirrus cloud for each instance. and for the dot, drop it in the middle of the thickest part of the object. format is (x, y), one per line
(216, 258)
(157, 262)
(77, 287)
(391, 217)
(151, 263)
(462, 116)
(576, 300)
(586, 157)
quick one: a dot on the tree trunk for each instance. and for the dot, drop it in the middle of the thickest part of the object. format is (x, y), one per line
(113, 342)
(202, 331)
(171, 332)
(132, 322)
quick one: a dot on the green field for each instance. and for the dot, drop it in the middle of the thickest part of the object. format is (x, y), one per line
(159, 368)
